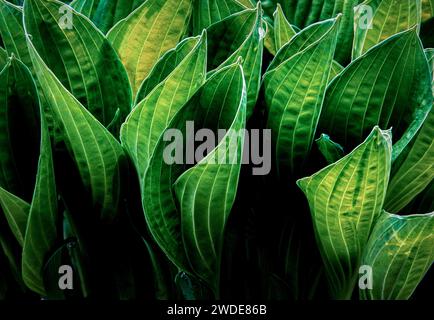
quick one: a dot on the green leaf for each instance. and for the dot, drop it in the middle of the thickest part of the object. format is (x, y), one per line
(400, 252)
(239, 35)
(97, 154)
(110, 12)
(345, 199)
(148, 120)
(413, 170)
(165, 66)
(389, 86)
(294, 92)
(331, 150)
(166, 224)
(16, 212)
(389, 17)
(147, 33)
(90, 68)
(208, 12)
(427, 9)
(42, 225)
(12, 31)
(424, 202)
(86, 7)
(206, 192)
(301, 41)
(19, 130)
(283, 31)
(303, 13)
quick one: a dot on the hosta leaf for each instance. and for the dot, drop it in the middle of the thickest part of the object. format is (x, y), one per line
(12, 32)
(389, 86)
(96, 152)
(345, 200)
(19, 130)
(301, 41)
(389, 17)
(400, 252)
(42, 226)
(331, 150)
(147, 33)
(208, 12)
(283, 31)
(90, 68)
(207, 191)
(16, 212)
(427, 9)
(85, 7)
(159, 202)
(165, 66)
(239, 35)
(294, 91)
(413, 170)
(109, 12)
(148, 120)
(305, 12)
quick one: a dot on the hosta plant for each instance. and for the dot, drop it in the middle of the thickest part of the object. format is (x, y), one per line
(121, 176)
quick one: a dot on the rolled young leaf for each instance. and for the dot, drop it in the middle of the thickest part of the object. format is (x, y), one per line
(159, 202)
(376, 20)
(147, 33)
(90, 68)
(97, 154)
(294, 92)
(149, 119)
(206, 192)
(346, 199)
(331, 150)
(400, 252)
(389, 86)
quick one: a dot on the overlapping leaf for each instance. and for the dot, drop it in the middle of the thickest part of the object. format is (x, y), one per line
(294, 92)
(239, 35)
(12, 31)
(389, 17)
(413, 170)
(90, 68)
(207, 191)
(208, 12)
(169, 227)
(283, 31)
(43, 221)
(345, 199)
(400, 252)
(147, 33)
(388, 86)
(97, 154)
(427, 9)
(150, 117)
